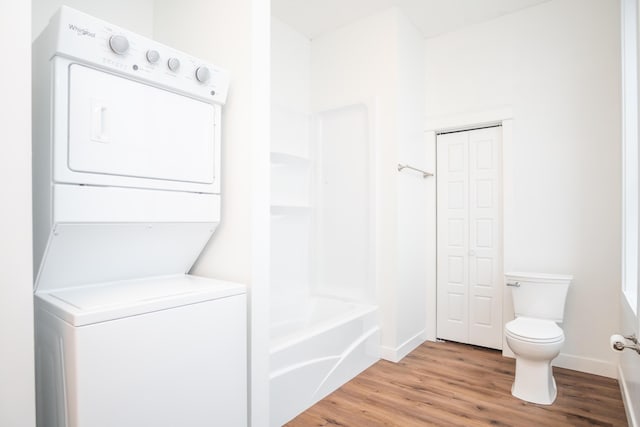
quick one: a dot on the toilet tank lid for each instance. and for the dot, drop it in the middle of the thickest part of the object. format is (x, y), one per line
(539, 277)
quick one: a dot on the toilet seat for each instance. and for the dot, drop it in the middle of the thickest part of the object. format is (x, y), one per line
(534, 330)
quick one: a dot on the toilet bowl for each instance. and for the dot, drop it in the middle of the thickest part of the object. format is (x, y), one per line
(535, 343)
(534, 335)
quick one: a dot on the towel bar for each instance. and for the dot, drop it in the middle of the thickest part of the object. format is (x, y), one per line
(424, 173)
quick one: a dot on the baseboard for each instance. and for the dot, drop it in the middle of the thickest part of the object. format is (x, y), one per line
(568, 361)
(626, 398)
(397, 354)
(586, 364)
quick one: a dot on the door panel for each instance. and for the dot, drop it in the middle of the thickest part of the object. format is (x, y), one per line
(485, 278)
(470, 230)
(453, 238)
(121, 127)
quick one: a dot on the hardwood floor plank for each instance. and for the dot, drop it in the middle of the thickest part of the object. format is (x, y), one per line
(451, 384)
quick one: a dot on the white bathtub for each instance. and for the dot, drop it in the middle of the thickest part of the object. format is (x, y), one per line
(317, 346)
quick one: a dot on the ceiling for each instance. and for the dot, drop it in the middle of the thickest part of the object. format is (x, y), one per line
(431, 17)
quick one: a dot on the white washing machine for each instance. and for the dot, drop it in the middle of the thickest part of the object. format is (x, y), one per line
(149, 352)
(126, 160)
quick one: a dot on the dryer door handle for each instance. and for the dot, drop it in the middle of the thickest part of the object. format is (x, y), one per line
(99, 123)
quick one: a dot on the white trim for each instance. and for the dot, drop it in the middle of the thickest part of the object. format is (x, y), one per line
(629, 92)
(431, 255)
(260, 215)
(578, 363)
(586, 364)
(17, 387)
(626, 399)
(397, 354)
(468, 119)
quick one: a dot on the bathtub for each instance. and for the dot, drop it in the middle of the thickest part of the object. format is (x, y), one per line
(317, 346)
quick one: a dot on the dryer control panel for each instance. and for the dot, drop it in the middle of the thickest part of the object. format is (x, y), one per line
(90, 40)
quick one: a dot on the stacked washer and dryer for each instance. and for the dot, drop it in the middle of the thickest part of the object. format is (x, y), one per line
(126, 194)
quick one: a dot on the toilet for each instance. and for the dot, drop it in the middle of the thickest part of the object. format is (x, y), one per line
(534, 335)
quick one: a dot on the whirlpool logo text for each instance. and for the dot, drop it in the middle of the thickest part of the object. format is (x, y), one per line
(81, 31)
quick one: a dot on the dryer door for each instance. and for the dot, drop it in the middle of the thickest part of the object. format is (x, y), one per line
(123, 133)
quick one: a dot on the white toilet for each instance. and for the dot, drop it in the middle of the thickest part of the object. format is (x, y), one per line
(534, 336)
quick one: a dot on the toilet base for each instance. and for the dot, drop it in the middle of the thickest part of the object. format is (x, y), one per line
(534, 381)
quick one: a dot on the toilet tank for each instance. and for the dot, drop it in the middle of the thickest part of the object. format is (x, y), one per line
(538, 295)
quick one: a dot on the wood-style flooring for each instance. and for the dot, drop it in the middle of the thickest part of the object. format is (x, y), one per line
(451, 384)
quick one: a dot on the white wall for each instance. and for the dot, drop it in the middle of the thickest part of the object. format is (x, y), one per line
(134, 15)
(291, 68)
(412, 188)
(376, 60)
(235, 35)
(560, 75)
(220, 33)
(17, 391)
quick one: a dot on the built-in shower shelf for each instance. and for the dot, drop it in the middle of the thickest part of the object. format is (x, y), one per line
(286, 159)
(282, 210)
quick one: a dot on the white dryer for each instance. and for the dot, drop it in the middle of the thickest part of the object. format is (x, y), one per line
(126, 160)
(126, 147)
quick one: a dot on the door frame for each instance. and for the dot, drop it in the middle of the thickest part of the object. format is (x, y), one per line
(628, 368)
(469, 331)
(462, 121)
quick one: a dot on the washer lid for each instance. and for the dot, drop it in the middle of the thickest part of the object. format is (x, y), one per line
(538, 330)
(103, 302)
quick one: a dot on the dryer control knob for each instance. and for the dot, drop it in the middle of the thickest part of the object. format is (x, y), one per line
(119, 44)
(203, 74)
(153, 56)
(173, 64)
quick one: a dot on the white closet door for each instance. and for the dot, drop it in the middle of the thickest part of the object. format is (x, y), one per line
(470, 237)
